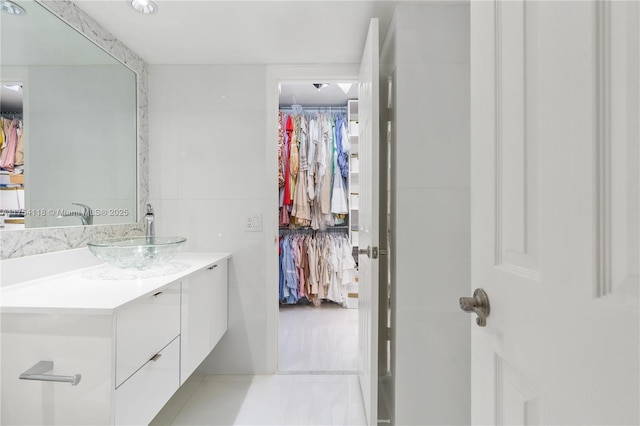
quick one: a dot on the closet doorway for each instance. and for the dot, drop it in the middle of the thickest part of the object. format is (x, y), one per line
(12, 160)
(317, 227)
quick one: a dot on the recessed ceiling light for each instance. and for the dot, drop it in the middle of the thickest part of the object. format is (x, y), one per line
(144, 6)
(13, 87)
(345, 87)
(320, 86)
(11, 8)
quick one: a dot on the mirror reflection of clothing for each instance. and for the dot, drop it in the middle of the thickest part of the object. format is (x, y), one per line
(8, 156)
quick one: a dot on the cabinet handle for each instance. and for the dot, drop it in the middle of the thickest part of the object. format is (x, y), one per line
(155, 357)
(157, 294)
(211, 267)
(37, 373)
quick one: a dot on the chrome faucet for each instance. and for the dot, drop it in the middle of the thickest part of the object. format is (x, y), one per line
(148, 218)
(86, 216)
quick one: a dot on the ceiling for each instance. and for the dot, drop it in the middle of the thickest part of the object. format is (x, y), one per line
(250, 32)
(242, 31)
(307, 95)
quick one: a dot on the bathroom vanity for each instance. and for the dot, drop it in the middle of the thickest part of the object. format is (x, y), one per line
(134, 338)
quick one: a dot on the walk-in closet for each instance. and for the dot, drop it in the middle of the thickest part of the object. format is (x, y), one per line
(318, 227)
(12, 203)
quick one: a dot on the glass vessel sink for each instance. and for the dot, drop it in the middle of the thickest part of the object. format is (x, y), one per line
(137, 253)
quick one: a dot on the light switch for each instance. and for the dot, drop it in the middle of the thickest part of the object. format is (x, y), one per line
(254, 223)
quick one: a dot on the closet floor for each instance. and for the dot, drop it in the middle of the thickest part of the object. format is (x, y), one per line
(318, 339)
(285, 399)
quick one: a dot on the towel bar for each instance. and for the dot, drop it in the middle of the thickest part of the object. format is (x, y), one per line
(37, 373)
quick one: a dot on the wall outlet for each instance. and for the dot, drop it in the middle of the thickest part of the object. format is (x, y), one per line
(254, 223)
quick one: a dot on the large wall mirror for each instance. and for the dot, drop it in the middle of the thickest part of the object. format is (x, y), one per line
(69, 121)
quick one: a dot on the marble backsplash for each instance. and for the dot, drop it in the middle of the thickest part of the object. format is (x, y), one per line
(19, 243)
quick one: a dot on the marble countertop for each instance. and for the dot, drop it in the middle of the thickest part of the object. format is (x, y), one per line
(99, 290)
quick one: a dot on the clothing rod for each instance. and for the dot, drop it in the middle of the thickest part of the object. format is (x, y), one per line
(316, 108)
(291, 231)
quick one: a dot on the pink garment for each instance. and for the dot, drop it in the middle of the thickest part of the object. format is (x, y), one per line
(9, 153)
(284, 216)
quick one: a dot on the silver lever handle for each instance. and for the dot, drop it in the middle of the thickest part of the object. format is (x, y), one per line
(37, 373)
(366, 251)
(372, 252)
(479, 304)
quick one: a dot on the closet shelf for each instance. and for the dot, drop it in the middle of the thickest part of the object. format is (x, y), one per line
(354, 182)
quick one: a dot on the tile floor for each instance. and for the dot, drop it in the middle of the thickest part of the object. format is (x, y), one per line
(318, 384)
(318, 339)
(281, 399)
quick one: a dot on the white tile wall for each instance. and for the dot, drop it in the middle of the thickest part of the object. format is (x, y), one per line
(242, 347)
(435, 33)
(438, 358)
(432, 254)
(208, 143)
(432, 121)
(430, 54)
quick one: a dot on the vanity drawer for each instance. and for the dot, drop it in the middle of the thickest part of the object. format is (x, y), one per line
(143, 329)
(141, 397)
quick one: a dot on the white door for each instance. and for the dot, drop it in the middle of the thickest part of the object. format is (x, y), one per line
(555, 211)
(368, 115)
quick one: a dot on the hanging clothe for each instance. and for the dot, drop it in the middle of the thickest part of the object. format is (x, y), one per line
(313, 168)
(301, 210)
(339, 203)
(313, 153)
(280, 150)
(8, 156)
(288, 167)
(343, 146)
(289, 273)
(316, 268)
(19, 158)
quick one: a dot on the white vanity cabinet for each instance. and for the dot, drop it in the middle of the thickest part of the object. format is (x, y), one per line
(147, 355)
(133, 341)
(204, 315)
(143, 395)
(145, 328)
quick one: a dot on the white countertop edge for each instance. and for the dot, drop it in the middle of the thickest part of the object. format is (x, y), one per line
(43, 295)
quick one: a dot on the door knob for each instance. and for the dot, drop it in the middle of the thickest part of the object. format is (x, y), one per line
(372, 252)
(479, 304)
